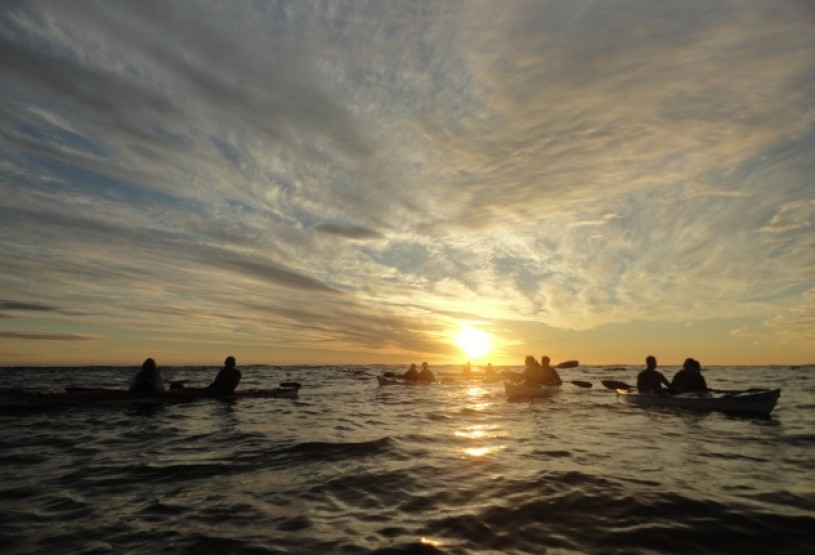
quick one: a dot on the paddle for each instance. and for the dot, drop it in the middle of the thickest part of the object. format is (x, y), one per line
(295, 385)
(581, 383)
(567, 364)
(614, 384)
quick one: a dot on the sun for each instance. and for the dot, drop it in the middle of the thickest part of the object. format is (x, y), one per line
(474, 343)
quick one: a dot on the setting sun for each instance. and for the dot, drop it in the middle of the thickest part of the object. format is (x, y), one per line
(474, 343)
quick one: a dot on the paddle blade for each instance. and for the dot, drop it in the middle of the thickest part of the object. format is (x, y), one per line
(581, 383)
(614, 384)
(290, 384)
(568, 364)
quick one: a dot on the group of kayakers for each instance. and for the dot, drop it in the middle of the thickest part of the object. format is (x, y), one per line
(688, 379)
(539, 373)
(149, 380)
(424, 375)
(535, 373)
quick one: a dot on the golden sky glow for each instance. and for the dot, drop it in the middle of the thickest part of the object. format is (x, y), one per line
(475, 344)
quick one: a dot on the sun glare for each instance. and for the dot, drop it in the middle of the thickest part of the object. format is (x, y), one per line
(474, 343)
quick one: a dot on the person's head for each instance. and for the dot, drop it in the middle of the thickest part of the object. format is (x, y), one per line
(424, 365)
(651, 361)
(529, 360)
(230, 362)
(545, 360)
(697, 366)
(413, 366)
(688, 364)
(149, 365)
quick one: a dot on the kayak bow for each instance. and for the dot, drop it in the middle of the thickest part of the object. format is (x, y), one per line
(522, 391)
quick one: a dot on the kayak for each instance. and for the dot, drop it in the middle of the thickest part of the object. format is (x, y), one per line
(751, 401)
(22, 398)
(523, 391)
(383, 381)
(189, 393)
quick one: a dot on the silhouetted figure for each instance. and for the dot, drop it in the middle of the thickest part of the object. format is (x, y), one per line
(547, 374)
(531, 373)
(426, 375)
(411, 373)
(651, 380)
(227, 379)
(149, 379)
(689, 378)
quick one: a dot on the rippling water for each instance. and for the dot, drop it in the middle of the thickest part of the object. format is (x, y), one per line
(354, 468)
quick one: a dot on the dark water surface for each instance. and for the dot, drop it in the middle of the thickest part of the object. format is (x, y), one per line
(354, 468)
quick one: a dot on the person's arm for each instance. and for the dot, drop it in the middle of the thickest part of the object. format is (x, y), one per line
(216, 383)
(676, 382)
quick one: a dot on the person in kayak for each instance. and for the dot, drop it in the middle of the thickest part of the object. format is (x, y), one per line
(227, 379)
(548, 375)
(426, 375)
(530, 374)
(411, 373)
(148, 379)
(689, 378)
(651, 380)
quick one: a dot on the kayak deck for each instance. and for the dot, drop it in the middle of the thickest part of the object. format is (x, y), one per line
(523, 391)
(22, 398)
(383, 381)
(203, 393)
(756, 402)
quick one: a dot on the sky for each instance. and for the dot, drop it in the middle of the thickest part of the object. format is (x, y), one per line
(351, 182)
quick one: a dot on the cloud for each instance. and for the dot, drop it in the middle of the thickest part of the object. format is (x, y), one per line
(47, 336)
(32, 307)
(9, 308)
(167, 168)
(348, 231)
(792, 216)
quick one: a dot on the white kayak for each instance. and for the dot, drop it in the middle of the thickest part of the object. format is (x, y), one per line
(523, 391)
(383, 381)
(751, 401)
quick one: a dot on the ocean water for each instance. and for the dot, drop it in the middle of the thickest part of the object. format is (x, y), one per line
(351, 467)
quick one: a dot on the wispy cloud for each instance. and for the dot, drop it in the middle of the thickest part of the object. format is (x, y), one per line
(348, 231)
(46, 336)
